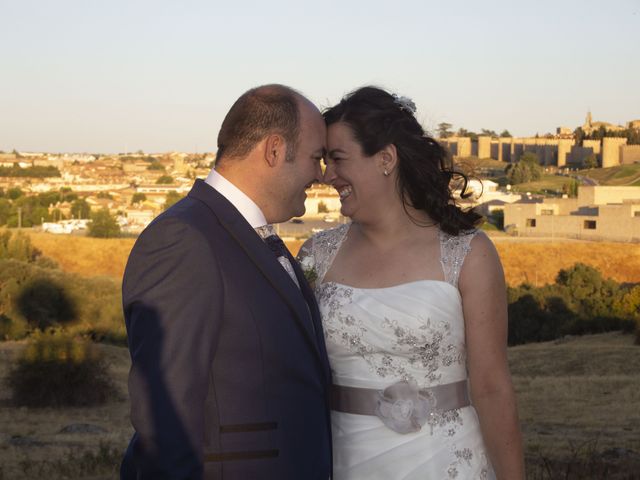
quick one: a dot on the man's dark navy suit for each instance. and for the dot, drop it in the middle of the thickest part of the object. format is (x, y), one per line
(229, 375)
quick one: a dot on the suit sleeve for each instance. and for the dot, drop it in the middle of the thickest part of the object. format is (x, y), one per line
(172, 297)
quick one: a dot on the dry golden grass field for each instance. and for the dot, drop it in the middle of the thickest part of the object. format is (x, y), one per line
(579, 400)
(536, 261)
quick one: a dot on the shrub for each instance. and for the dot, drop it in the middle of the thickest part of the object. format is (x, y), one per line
(96, 303)
(171, 199)
(580, 302)
(76, 463)
(164, 180)
(103, 225)
(45, 303)
(322, 207)
(58, 370)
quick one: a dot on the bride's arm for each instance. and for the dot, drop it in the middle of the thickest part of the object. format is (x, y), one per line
(484, 302)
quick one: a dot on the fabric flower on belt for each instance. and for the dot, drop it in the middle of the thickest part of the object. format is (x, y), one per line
(402, 407)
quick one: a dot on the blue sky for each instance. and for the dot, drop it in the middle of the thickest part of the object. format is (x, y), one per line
(123, 75)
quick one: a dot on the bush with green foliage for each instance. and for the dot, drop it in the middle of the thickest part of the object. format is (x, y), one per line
(571, 188)
(35, 294)
(156, 165)
(17, 245)
(29, 210)
(59, 370)
(138, 197)
(33, 172)
(171, 199)
(527, 169)
(497, 218)
(322, 207)
(44, 304)
(164, 180)
(580, 302)
(103, 225)
(80, 208)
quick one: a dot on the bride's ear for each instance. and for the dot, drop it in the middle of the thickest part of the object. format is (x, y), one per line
(388, 159)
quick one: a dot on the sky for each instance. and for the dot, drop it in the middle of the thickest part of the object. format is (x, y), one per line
(159, 75)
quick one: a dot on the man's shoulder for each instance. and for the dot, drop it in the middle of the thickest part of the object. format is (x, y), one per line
(188, 212)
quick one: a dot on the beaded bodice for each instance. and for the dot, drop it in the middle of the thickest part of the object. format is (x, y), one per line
(377, 336)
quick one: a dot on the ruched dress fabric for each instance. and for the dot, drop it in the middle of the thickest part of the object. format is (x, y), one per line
(376, 337)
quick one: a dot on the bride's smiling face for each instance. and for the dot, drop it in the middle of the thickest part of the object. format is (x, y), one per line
(357, 178)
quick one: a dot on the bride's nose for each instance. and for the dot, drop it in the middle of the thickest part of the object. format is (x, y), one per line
(329, 173)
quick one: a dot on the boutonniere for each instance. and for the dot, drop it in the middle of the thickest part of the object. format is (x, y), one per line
(309, 269)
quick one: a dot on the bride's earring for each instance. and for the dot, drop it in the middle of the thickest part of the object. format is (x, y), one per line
(386, 172)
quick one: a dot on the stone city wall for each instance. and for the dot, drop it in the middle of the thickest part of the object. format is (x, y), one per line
(611, 151)
(561, 152)
(629, 154)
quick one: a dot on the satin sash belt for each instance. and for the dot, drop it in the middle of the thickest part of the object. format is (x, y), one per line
(366, 401)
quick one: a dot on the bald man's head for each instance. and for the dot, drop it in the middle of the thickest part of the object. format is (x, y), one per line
(265, 110)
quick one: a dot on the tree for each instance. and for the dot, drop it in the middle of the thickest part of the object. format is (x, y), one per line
(591, 161)
(505, 134)
(164, 180)
(156, 165)
(463, 132)
(80, 208)
(526, 170)
(5, 211)
(138, 197)
(490, 133)
(322, 207)
(571, 188)
(14, 193)
(444, 130)
(103, 225)
(171, 198)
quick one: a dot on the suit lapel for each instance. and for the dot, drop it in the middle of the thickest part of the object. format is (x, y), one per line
(310, 297)
(259, 253)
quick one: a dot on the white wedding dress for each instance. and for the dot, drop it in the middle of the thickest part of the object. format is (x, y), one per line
(378, 336)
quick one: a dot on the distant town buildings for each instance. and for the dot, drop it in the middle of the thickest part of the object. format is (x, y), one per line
(590, 126)
(598, 213)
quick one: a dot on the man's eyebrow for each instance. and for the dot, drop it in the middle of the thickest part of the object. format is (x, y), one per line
(321, 152)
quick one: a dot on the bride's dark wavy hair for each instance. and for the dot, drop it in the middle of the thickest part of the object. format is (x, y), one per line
(425, 169)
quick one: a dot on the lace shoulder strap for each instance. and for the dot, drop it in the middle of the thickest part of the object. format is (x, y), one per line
(318, 254)
(453, 250)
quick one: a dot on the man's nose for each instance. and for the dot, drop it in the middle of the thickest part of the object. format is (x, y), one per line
(319, 174)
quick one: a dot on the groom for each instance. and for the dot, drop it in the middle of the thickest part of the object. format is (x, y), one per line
(229, 373)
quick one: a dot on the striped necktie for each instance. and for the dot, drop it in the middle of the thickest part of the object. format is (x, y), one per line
(277, 246)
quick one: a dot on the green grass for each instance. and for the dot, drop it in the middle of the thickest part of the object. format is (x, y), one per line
(620, 175)
(546, 184)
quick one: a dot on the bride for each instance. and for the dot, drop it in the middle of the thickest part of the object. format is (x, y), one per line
(414, 308)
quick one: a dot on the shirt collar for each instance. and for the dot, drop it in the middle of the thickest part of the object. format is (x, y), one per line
(247, 207)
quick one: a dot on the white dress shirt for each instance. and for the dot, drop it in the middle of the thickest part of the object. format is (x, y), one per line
(247, 207)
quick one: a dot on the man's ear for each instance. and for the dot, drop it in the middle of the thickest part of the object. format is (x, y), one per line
(388, 159)
(274, 149)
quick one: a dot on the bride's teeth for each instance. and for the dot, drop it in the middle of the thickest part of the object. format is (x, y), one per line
(345, 192)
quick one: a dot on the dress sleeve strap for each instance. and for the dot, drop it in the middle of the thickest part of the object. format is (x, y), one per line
(325, 246)
(453, 250)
